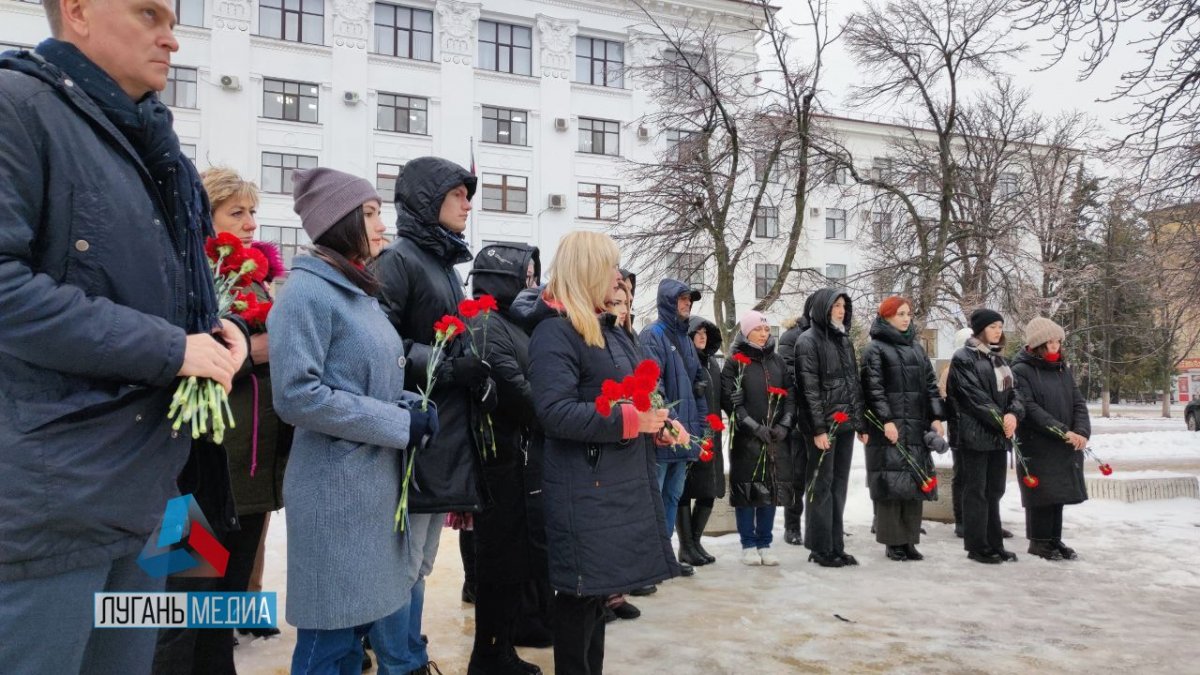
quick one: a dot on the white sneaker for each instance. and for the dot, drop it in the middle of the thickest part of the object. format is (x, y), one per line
(767, 558)
(750, 557)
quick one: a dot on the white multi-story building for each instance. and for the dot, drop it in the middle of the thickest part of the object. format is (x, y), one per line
(536, 92)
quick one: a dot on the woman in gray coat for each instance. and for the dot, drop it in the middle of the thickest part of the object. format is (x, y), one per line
(338, 370)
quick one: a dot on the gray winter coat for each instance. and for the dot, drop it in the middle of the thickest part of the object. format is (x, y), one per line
(337, 368)
(92, 309)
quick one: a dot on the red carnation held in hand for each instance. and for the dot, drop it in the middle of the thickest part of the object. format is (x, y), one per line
(1106, 469)
(741, 359)
(715, 423)
(1031, 481)
(840, 417)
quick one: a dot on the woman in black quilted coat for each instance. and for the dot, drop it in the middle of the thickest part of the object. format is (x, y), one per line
(902, 404)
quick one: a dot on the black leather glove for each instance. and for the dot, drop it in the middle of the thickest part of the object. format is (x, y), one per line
(699, 388)
(738, 398)
(486, 395)
(423, 426)
(763, 433)
(467, 371)
(778, 432)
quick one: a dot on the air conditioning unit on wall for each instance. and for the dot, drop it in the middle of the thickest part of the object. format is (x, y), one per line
(557, 202)
(561, 124)
(231, 83)
(350, 97)
(643, 134)
(814, 212)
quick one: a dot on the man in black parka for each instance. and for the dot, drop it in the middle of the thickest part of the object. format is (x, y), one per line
(418, 286)
(786, 348)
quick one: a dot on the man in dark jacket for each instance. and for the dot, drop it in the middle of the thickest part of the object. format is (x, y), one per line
(683, 383)
(419, 285)
(106, 299)
(786, 348)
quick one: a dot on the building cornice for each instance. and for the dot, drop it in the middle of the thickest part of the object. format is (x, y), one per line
(289, 47)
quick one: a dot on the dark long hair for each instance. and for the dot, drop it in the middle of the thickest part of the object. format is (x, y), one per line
(346, 247)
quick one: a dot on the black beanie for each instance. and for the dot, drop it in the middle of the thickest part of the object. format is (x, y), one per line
(982, 318)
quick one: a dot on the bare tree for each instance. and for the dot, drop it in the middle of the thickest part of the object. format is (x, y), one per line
(917, 55)
(1164, 128)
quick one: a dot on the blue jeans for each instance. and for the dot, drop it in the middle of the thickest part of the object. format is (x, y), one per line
(754, 525)
(61, 608)
(329, 652)
(396, 639)
(672, 476)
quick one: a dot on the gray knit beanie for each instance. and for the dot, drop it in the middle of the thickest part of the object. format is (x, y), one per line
(324, 196)
(1040, 330)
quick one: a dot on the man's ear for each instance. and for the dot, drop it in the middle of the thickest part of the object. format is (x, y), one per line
(75, 16)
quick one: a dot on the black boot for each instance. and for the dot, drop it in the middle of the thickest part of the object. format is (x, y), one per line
(1067, 552)
(1044, 548)
(529, 668)
(896, 553)
(700, 516)
(687, 543)
(912, 552)
(793, 537)
(826, 559)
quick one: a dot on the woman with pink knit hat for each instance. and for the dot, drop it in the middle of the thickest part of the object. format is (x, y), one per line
(751, 383)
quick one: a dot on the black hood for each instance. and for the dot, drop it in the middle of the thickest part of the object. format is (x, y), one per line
(631, 278)
(714, 335)
(499, 271)
(804, 322)
(822, 304)
(529, 309)
(669, 291)
(421, 188)
(882, 330)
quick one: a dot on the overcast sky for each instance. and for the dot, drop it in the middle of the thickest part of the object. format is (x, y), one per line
(1052, 91)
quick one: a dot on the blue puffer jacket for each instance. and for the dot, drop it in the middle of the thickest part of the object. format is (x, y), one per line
(92, 295)
(667, 342)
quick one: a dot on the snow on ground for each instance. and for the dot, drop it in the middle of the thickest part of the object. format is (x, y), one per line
(1131, 603)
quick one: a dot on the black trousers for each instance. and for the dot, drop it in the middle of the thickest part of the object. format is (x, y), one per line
(578, 634)
(496, 609)
(800, 476)
(209, 651)
(898, 522)
(1044, 522)
(956, 486)
(824, 521)
(984, 474)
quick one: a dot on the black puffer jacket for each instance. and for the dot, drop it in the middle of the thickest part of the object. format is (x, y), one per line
(899, 386)
(604, 512)
(419, 285)
(706, 480)
(977, 401)
(1051, 400)
(509, 543)
(826, 370)
(758, 477)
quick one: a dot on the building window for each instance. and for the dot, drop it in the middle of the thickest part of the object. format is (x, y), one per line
(766, 222)
(765, 276)
(289, 240)
(284, 100)
(686, 267)
(403, 31)
(929, 342)
(599, 137)
(679, 145)
(405, 114)
(599, 202)
(761, 159)
(277, 169)
(835, 272)
(501, 125)
(293, 20)
(835, 223)
(181, 87)
(599, 62)
(836, 175)
(385, 180)
(881, 168)
(189, 151)
(189, 12)
(1007, 185)
(505, 48)
(881, 222)
(676, 72)
(509, 194)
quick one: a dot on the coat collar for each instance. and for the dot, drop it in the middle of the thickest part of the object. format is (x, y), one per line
(322, 269)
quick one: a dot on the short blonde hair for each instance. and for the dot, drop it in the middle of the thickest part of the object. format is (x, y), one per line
(580, 278)
(223, 183)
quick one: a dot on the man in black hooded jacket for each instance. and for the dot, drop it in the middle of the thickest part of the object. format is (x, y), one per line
(418, 286)
(786, 348)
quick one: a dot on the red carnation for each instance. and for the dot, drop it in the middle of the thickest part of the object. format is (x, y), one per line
(468, 308)
(449, 327)
(222, 244)
(706, 455)
(603, 406)
(777, 391)
(840, 417)
(741, 359)
(706, 444)
(648, 371)
(1106, 469)
(715, 423)
(233, 263)
(487, 303)
(1031, 481)
(928, 486)
(630, 386)
(611, 390)
(641, 401)
(259, 274)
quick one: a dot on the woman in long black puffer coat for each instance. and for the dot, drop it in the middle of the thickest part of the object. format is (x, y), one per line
(757, 482)
(705, 480)
(902, 402)
(509, 552)
(1052, 437)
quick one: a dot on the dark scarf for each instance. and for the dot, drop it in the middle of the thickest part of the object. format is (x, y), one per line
(147, 125)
